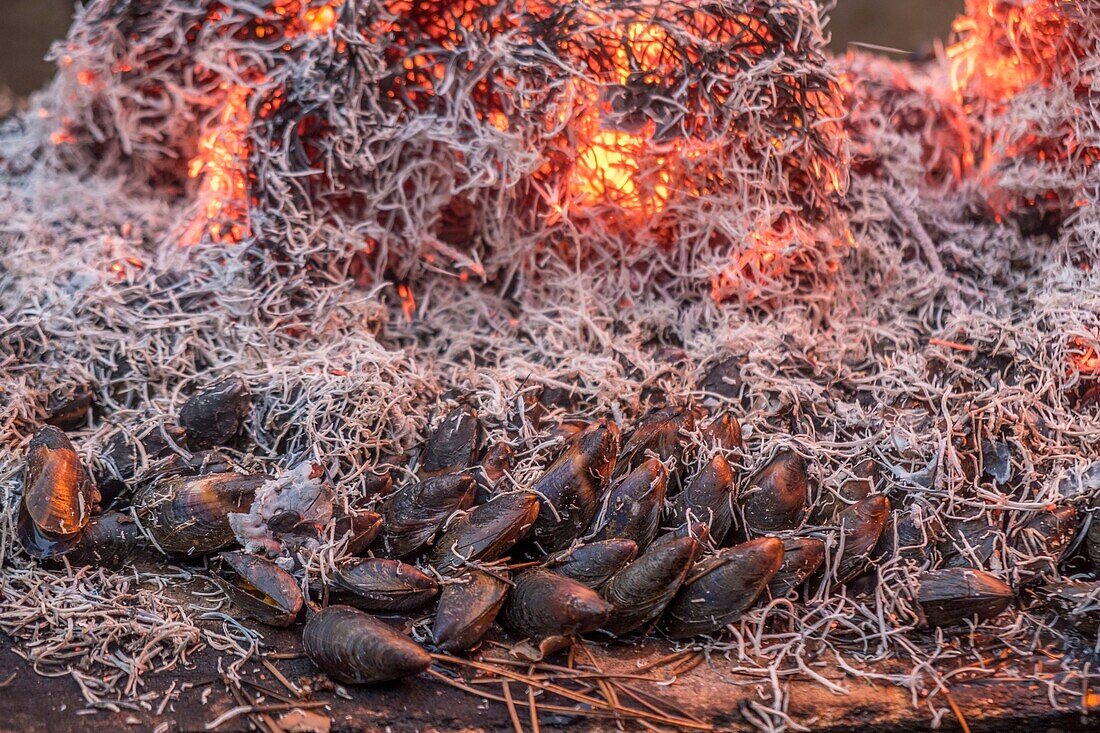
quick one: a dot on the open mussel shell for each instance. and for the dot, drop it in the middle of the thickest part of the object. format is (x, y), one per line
(861, 525)
(467, 608)
(107, 541)
(360, 527)
(802, 557)
(355, 648)
(453, 445)
(214, 415)
(777, 495)
(543, 604)
(379, 584)
(591, 564)
(632, 508)
(189, 515)
(722, 587)
(487, 531)
(952, 595)
(573, 486)
(1038, 546)
(259, 588)
(412, 515)
(58, 495)
(709, 498)
(661, 432)
(639, 592)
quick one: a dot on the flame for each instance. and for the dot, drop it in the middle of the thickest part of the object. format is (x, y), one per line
(608, 169)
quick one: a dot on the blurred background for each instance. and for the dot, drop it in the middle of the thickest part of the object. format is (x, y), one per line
(28, 27)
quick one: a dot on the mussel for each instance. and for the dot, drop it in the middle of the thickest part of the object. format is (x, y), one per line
(861, 525)
(723, 381)
(380, 584)
(663, 433)
(189, 515)
(571, 488)
(777, 495)
(58, 495)
(1077, 603)
(355, 648)
(1043, 540)
(970, 542)
(125, 456)
(107, 541)
(722, 587)
(68, 409)
(639, 592)
(722, 431)
(709, 498)
(359, 526)
(453, 445)
(259, 588)
(214, 415)
(831, 503)
(802, 557)
(487, 531)
(467, 608)
(632, 507)
(593, 563)
(412, 515)
(951, 595)
(543, 604)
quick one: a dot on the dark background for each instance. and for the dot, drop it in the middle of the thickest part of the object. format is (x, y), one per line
(27, 27)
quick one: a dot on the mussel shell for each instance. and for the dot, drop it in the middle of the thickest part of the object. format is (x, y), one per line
(632, 508)
(453, 445)
(802, 557)
(360, 527)
(909, 534)
(970, 542)
(723, 431)
(108, 540)
(722, 587)
(777, 495)
(125, 456)
(68, 410)
(709, 498)
(573, 485)
(214, 415)
(662, 431)
(380, 584)
(487, 531)
(189, 515)
(1077, 604)
(861, 524)
(58, 494)
(1043, 540)
(40, 544)
(467, 608)
(259, 588)
(355, 648)
(723, 381)
(543, 604)
(591, 564)
(639, 592)
(495, 463)
(412, 515)
(951, 595)
(698, 531)
(831, 503)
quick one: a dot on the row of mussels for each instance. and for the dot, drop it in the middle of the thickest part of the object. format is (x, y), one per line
(612, 537)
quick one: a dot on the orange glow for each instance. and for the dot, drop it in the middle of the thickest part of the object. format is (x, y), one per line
(408, 301)
(769, 255)
(321, 20)
(1084, 357)
(608, 170)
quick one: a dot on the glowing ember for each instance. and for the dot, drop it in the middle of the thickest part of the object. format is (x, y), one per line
(608, 169)
(1084, 357)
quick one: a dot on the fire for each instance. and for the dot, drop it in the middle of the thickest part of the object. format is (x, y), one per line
(1084, 357)
(608, 169)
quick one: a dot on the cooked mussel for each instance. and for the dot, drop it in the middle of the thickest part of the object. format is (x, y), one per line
(722, 431)
(571, 488)
(639, 592)
(58, 495)
(214, 415)
(359, 526)
(593, 563)
(189, 515)
(777, 494)
(661, 432)
(107, 541)
(467, 608)
(722, 587)
(355, 648)
(709, 498)
(802, 557)
(453, 445)
(951, 595)
(632, 507)
(487, 531)
(543, 604)
(861, 525)
(412, 515)
(831, 503)
(259, 588)
(381, 584)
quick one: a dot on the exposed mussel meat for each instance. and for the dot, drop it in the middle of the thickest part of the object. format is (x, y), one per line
(632, 507)
(952, 595)
(571, 488)
(453, 445)
(640, 591)
(802, 557)
(381, 584)
(543, 604)
(776, 497)
(467, 608)
(259, 588)
(591, 564)
(487, 531)
(58, 495)
(709, 497)
(356, 648)
(412, 515)
(722, 587)
(861, 525)
(214, 415)
(189, 515)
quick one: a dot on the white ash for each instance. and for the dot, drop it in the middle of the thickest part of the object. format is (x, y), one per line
(289, 514)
